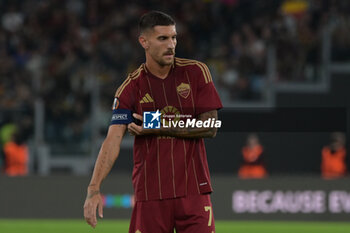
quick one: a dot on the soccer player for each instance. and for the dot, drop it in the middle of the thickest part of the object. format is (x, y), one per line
(170, 175)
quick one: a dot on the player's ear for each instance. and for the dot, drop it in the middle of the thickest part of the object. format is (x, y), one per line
(143, 41)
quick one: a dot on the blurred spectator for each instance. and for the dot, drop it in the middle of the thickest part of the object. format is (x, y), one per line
(12, 20)
(298, 42)
(340, 19)
(333, 157)
(253, 159)
(16, 155)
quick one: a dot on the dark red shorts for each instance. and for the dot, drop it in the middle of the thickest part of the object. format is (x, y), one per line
(191, 214)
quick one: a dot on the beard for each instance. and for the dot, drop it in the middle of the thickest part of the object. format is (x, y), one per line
(163, 62)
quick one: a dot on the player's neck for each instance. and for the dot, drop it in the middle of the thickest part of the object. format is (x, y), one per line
(156, 69)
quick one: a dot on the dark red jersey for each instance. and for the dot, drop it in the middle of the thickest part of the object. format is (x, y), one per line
(168, 167)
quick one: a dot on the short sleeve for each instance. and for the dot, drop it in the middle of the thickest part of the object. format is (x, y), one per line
(207, 98)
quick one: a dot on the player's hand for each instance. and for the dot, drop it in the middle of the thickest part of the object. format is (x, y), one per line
(134, 129)
(93, 201)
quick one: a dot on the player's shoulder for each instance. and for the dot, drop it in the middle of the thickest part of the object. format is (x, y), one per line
(136, 73)
(130, 79)
(190, 65)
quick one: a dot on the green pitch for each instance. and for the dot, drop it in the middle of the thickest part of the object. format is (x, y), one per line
(108, 226)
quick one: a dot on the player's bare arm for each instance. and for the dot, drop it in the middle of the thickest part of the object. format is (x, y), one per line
(192, 132)
(108, 154)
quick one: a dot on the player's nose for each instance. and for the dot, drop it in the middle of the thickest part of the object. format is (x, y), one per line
(171, 44)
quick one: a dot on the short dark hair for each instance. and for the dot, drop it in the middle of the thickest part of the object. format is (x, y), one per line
(154, 18)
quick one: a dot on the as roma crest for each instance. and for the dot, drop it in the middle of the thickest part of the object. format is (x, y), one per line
(184, 90)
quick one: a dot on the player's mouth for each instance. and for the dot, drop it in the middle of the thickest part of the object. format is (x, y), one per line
(168, 54)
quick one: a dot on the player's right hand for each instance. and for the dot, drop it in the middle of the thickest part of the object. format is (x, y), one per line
(93, 201)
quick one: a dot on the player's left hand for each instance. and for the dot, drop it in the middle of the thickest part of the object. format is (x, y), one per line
(136, 130)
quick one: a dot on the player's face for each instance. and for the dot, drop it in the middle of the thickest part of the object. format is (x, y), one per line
(161, 44)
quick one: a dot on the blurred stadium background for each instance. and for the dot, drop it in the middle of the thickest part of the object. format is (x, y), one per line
(281, 68)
